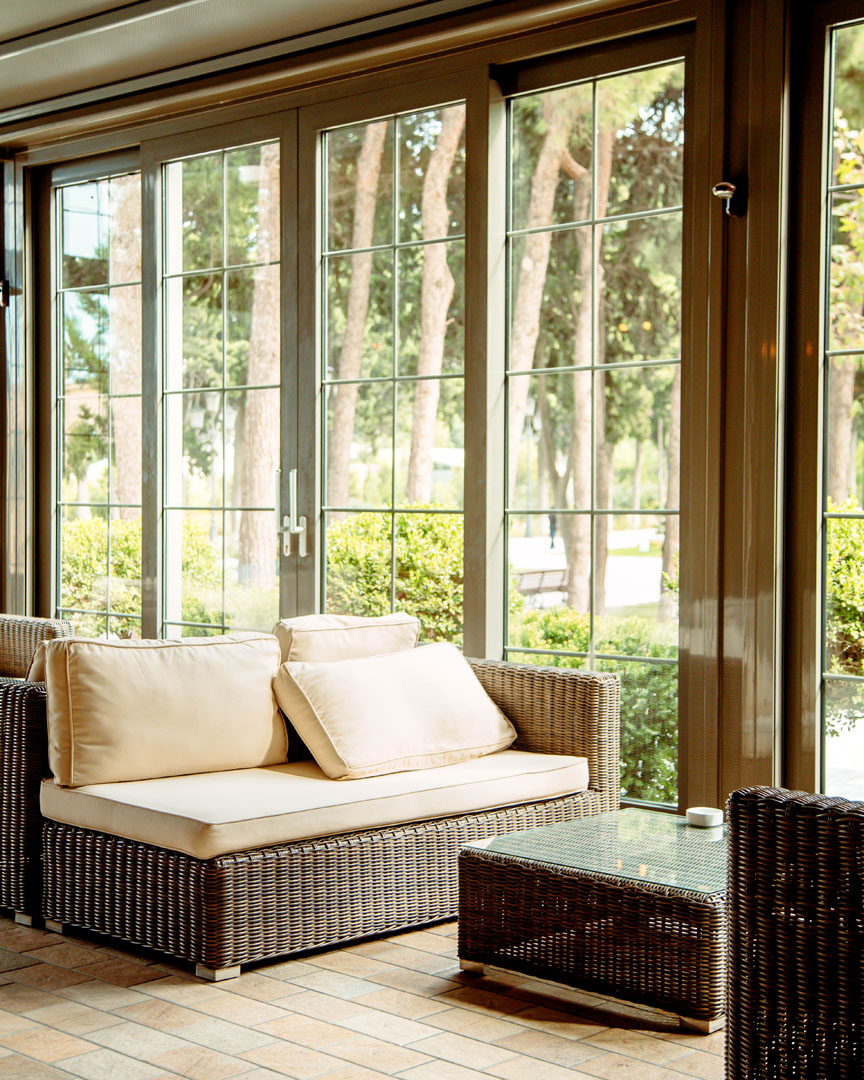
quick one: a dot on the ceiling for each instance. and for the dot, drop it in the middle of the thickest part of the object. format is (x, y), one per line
(63, 49)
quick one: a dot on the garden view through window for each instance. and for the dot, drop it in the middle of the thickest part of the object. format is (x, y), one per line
(843, 511)
(594, 396)
(392, 367)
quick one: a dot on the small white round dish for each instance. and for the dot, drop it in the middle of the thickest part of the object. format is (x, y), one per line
(704, 817)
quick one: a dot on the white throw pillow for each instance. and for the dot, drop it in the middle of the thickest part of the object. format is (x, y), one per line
(134, 710)
(414, 709)
(319, 638)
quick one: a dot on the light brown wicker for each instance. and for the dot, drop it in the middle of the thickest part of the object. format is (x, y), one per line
(233, 909)
(19, 636)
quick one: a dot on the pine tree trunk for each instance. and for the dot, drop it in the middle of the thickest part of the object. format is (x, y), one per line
(257, 542)
(436, 294)
(341, 432)
(672, 537)
(841, 398)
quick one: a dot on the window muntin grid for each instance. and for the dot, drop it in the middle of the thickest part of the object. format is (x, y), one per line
(399, 505)
(842, 697)
(97, 405)
(558, 370)
(220, 390)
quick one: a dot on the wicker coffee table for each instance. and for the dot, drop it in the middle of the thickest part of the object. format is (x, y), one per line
(631, 904)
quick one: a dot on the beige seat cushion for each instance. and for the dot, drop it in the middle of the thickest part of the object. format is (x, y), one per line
(216, 813)
(131, 710)
(415, 709)
(323, 638)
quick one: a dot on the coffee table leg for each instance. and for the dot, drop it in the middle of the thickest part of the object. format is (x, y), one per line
(472, 967)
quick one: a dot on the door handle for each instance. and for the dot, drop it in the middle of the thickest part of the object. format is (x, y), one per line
(290, 524)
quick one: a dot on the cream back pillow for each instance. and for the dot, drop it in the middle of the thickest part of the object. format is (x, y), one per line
(416, 709)
(321, 638)
(134, 710)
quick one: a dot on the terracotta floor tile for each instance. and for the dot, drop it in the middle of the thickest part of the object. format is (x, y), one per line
(162, 1015)
(638, 1045)
(289, 1059)
(333, 983)
(10, 960)
(705, 1066)
(74, 1018)
(17, 998)
(47, 976)
(478, 997)
(199, 1063)
(64, 953)
(616, 1067)
(377, 1054)
(386, 1026)
(121, 972)
(136, 1040)
(224, 1036)
(529, 1068)
(444, 1070)
(418, 960)
(427, 942)
(546, 1047)
(109, 1065)
(401, 1003)
(474, 1024)
(567, 1025)
(305, 1030)
(241, 1010)
(415, 982)
(349, 964)
(11, 1022)
(714, 1043)
(182, 990)
(22, 938)
(354, 1072)
(14, 1067)
(101, 995)
(253, 985)
(286, 970)
(463, 1051)
(46, 1044)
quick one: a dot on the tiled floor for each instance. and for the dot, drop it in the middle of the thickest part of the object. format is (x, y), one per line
(71, 1006)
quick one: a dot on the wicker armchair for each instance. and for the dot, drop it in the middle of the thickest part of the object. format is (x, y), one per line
(22, 729)
(795, 1006)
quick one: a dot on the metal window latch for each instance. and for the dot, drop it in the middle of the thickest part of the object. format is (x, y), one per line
(290, 524)
(4, 293)
(733, 199)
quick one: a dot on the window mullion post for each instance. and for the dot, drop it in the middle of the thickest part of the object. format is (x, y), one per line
(485, 344)
(151, 397)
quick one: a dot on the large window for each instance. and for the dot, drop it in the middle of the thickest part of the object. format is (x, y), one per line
(594, 395)
(221, 289)
(97, 344)
(392, 362)
(843, 510)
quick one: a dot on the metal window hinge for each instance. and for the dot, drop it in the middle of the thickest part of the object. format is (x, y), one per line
(734, 197)
(5, 292)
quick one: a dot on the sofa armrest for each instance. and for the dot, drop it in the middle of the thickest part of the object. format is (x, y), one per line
(23, 764)
(562, 711)
(19, 636)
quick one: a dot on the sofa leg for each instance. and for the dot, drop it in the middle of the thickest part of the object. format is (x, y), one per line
(23, 919)
(471, 967)
(54, 926)
(216, 974)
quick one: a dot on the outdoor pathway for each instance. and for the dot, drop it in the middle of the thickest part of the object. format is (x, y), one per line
(398, 1006)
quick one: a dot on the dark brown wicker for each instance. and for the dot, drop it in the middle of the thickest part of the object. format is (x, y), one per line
(660, 945)
(796, 937)
(19, 636)
(242, 907)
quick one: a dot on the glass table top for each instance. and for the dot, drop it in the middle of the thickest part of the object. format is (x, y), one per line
(640, 845)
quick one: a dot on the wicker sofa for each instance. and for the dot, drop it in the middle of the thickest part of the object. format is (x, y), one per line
(249, 905)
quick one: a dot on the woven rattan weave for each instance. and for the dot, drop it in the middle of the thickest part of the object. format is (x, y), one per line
(632, 905)
(796, 937)
(247, 906)
(19, 636)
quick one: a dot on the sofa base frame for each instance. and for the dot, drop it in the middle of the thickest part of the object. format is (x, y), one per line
(234, 909)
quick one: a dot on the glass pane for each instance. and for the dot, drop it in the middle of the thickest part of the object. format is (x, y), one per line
(550, 309)
(550, 454)
(193, 566)
(429, 571)
(84, 467)
(848, 105)
(251, 570)
(125, 236)
(432, 309)
(550, 581)
(125, 570)
(85, 230)
(357, 563)
(359, 171)
(635, 605)
(637, 425)
(359, 296)
(84, 565)
(844, 739)
(125, 451)
(359, 444)
(430, 441)
(649, 729)
(432, 174)
(551, 140)
(844, 429)
(252, 449)
(640, 140)
(541, 660)
(86, 341)
(193, 448)
(846, 322)
(640, 276)
(252, 182)
(124, 339)
(85, 624)
(252, 326)
(844, 595)
(193, 332)
(123, 626)
(193, 214)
